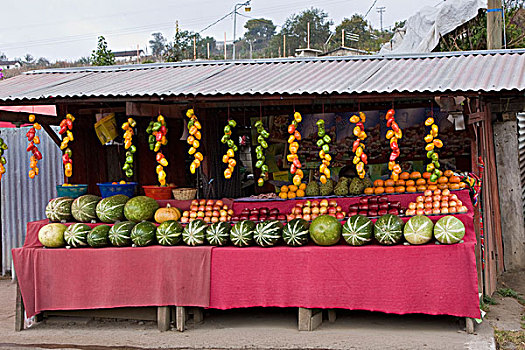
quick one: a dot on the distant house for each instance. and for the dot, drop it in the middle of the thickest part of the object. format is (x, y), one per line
(345, 51)
(128, 56)
(10, 65)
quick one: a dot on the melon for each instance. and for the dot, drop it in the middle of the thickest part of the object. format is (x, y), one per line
(141, 208)
(52, 235)
(449, 230)
(98, 236)
(267, 233)
(295, 233)
(241, 234)
(358, 230)
(120, 233)
(169, 232)
(418, 230)
(76, 235)
(84, 208)
(325, 230)
(388, 229)
(111, 209)
(59, 209)
(194, 233)
(143, 233)
(218, 234)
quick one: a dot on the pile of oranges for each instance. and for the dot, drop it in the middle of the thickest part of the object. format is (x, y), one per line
(292, 191)
(416, 182)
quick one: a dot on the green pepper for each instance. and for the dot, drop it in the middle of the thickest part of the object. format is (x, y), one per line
(68, 152)
(265, 134)
(128, 153)
(326, 148)
(258, 124)
(232, 123)
(435, 157)
(429, 154)
(260, 129)
(438, 172)
(129, 159)
(129, 173)
(327, 139)
(234, 148)
(151, 139)
(321, 132)
(227, 129)
(320, 122)
(230, 143)
(3, 160)
(433, 178)
(259, 164)
(436, 164)
(258, 149)
(320, 143)
(260, 139)
(264, 168)
(264, 144)
(1, 141)
(148, 129)
(4, 146)
(190, 124)
(151, 146)
(225, 138)
(126, 166)
(1, 152)
(133, 149)
(156, 126)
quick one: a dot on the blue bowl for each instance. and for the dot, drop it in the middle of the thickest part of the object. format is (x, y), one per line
(108, 189)
(72, 191)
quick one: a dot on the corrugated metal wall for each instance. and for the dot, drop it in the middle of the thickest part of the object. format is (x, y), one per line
(521, 145)
(23, 199)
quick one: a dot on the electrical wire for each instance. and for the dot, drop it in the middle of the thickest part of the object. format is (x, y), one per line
(370, 9)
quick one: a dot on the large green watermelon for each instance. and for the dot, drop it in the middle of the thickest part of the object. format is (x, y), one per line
(295, 233)
(98, 236)
(449, 230)
(143, 233)
(418, 230)
(141, 208)
(267, 233)
(241, 234)
(120, 233)
(169, 232)
(325, 230)
(59, 209)
(358, 230)
(218, 234)
(388, 229)
(52, 235)
(76, 235)
(84, 208)
(111, 209)
(194, 233)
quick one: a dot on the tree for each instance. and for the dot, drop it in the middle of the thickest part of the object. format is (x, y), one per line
(28, 58)
(42, 61)
(369, 39)
(3, 57)
(259, 32)
(83, 61)
(177, 49)
(102, 56)
(157, 44)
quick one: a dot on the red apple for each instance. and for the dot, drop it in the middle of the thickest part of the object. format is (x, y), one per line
(315, 210)
(459, 203)
(230, 211)
(354, 207)
(332, 203)
(339, 216)
(264, 211)
(454, 197)
(437, 198)
(412, 206)
(209, 208)
(462, 209)
(420, 199)
(428, 199)
(217, 207)
(436, 205)
(332, 210)
(307, 210)
(224, 219)
(274, 211)
(253, 218)
(363, 200)
(382, 212)
(299, 216)
(323, 210)
(184, 219)
(195, 202)
(428, 205)
(225, 207)
(281, 217)
(436, 211)
(437, 192)
(444, 210)
(217, 213)
(352, 212)
(220, 203)
(297, 211)
(428, 193)
(272, 217)
(193, 214)
(428, 211)
(307, 217)
(214, 219)
(208, 213)
(210, 202)
(395, 205)
(324, 203)
(307, 204)
(364, 212)
(372, 213)
(338, 208)
(444, 198)
(382, 199)
(452, 203)
(420, 205)
(194, 208)
(393, 212)
(315, 203)
(452, 210)
(445, 192)
(420, 212)
(243, 217)
(202, 202)
(373, 199)
(186, 214)
(410, 212)
(235, 218)
(201, 208)
(207, 219)
(290, 217)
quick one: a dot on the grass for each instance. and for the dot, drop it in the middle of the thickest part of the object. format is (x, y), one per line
(511, 293)
(485, 302)
(509, 339)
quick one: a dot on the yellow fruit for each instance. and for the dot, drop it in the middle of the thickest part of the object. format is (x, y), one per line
(291, 195)
(297, 180)
(284, 189)
(283, 195)
(292, 188)
(300, 193)
(302, 186)
(323, 179)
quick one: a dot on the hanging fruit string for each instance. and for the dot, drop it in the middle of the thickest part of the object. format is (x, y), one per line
(323, 142)
(3, 160)
(34, 140)
(358, 147)
(159, 131)
(128, 146)
(394, 135)
(229, 157)
(66, 127)
(293, 147)
(259, 152)
(194, 127)
(433, 143)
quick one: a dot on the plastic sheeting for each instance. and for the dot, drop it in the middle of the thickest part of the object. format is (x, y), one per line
(423, 30)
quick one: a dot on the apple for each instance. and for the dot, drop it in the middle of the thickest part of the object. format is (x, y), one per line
(184, 219)
(200, 214)
(363, 200)
(214, 219)
(393, 212)
(315, 203)
(300, 204)
(420, 212)
(207, 219)
(307, 210)
(224, 219)
(307, 217)
(354, 207)
(194, 208)
(383, 199)
(412, 206)
(372, 212)
(185, 214)
(281, 217)
(436, 211)
(323, 210)
(216, 207)
(452, 203)
(454, 197)
(208, 214)
(373, 199)
(274, 211)
(314, 216)
(253, 218)
(374, 206)
(444, 210)
(225, 207)
(411, 212)
(344, 213)
(428, 205)
(315, 210)
(437, 198)
(210, 202)
(382, 212)
(338, 208)
(324, 203)
(195, 202)
(427, 193)
(462, 209)
(339, 216)
(290, 217)
(202, 202)
(459, 203)
(263, 218)
(332, 203)
(437, 192)
(428, 199)
(217, 213)
(193, 214)
(299, 216)
(245, 211)
(307, 204)
(332, 215)
(395, 205)
(436, 205)
(230, 212)
(428, 211)
(445, 192)
(201, 208)
(297, 210)
(363, 212)
(235, 218)
(452, 210)
(363, 207)
(420, 199)
(352, 212)
(420, 205)
(272, 217)
(209, 208)
(265, 211)
(332, 210)
(254, 212)
(220, 203)
(384, 206)
(444, 198)
(243, 217)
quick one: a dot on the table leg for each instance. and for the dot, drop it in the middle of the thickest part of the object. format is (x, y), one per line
(20, 310)
(469, 325)
(309, 319)
(331, 315)
(163, 318)
(198, 315)
(180, 318)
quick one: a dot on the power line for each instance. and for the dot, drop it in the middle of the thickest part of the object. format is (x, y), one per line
(370, 9)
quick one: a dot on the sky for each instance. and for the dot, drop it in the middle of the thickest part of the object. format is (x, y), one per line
(68, 29)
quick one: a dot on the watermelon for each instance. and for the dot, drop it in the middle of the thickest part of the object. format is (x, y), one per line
(143, 233)
(267, 233)
(325, 230)
(52, 235)
(218, 233)
(98, 236)
(449, 230)
(295, 233)
(388, 229)
(76, 235)
(84, 208)
(358, 230)
(169, 232)
(111, 209)
(241, 234)
(140, 208)
(120, 233)
(194, 233)
(59, 209)
(418, 230)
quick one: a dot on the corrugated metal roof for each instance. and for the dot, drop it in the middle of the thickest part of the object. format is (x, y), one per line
(487, 71)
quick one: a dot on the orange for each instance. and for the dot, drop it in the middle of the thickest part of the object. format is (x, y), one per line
(400, 183)
(400, 189)
(421, 182)
(283, 195)
(426, 175)
(411, 189)
(292, 188)
(390, 183)
(390, 189)
(448, 173)
(454, 179)
(421, 188)
(415, 175)
(284, 188)
(379, 190)
(442, 186)
(291, 195)
(302, 186)
(453, 186)
(404, 176)
(432, 187)
(431, 182)
(410, 183)
(379, 183)
(300, 193)
(462, 185)
(369, 190)
(443, 180)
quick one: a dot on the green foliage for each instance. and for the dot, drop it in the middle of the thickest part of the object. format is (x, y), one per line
(177, 50)
(511, 293)
(259, 32)
(102, 56)
(370, 39)
(157, 44)
(485, 302)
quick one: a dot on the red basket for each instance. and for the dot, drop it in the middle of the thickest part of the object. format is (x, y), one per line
(158, 192)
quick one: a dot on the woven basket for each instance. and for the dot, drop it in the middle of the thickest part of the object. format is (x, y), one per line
(184, 194)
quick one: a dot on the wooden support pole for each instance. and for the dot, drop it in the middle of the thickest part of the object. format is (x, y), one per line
(52, 134)
(309, 319)
(469, 325)
(194, 47)
(332, 315)
(342, 38)
(308, 35)
(163, 318)
(208, 50)
(180, 318)
(224, 45)
(19, 311)
(494, 25)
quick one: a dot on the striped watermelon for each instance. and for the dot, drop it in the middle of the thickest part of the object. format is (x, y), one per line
(358, 230)
(84, 208)
(59, 209)
(120, 233)
(140, 208)
(388, 229)
(267, 233)
(449, 230)
(143, 233)
(194, 233)
(418, 230)
(98, 236)
(295, 233)
(111, 209)
(76, 235)
(169, 232)
(241, 234)
(218, 234)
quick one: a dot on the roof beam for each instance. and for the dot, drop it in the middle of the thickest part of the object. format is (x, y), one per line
(138, 109)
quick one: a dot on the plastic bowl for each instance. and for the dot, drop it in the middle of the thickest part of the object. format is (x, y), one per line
(108, 189)
(158, 192)
(72, 191)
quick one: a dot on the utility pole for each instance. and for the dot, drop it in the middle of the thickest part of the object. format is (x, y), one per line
(381, 10)
(342, 38)
(237, 6)
(225, 46)
(284, 45)
(308, 35)
(494, 25)
(208, 49)
(194, 47)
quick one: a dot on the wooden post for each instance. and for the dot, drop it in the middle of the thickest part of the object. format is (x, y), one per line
(342, 38)
(308, 35)
(163, 318)
(180, 318)
(195, 47)
(469, 325)
(332, 315)
(494, 25)
(284, 45)
(224, 45)
(20, 310)
(309, 319)
(208, 49)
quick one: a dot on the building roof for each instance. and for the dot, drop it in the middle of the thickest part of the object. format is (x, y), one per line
(350, 50)
(8, 63)
(488, 71)
(127, 53)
